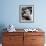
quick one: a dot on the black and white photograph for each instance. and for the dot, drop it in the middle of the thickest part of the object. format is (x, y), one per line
(26, 13)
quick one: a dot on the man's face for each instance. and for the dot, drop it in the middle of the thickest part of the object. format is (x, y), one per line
(27, 11)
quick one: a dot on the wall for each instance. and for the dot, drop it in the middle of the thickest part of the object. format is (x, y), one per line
(10, 13)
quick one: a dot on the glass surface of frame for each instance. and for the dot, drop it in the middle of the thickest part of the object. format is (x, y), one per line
(26, 13)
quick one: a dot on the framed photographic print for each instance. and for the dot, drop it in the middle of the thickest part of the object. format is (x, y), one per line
(26, 13)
